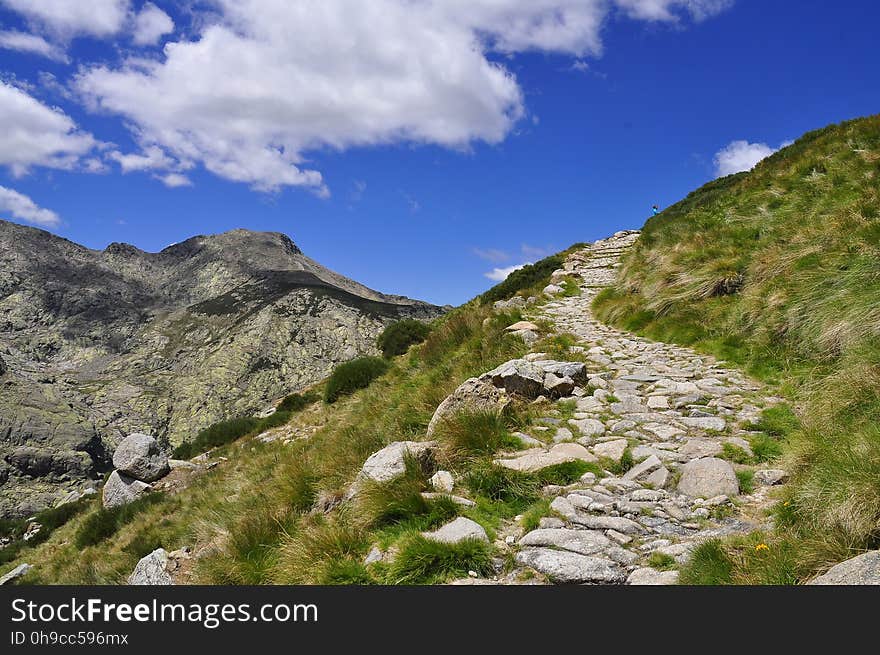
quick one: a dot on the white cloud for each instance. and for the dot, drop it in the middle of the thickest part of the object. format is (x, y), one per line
(37, 45)
(670, 10)
(69, 18)
(152, 158)
(174, 180)
(740, 156)
(24, 209)
(151, 24)
(536, 252)
(264, 82)
(36, 135)
(500, 274)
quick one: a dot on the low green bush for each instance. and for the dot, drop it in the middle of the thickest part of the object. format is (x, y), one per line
(524, 278)
(351, 376)
(425, 561)
(399, 336)
(218, 434)
(296, 402)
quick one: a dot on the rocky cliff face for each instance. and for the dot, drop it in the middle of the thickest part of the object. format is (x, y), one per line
(96, 345)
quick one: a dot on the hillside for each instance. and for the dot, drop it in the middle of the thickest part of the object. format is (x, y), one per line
(99, 344)
(778, 270)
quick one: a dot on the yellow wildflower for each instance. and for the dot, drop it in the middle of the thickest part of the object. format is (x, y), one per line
(761, 547)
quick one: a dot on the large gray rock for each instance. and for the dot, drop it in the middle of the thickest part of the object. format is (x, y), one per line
(585, 542)
(649, 576)
(537, 459)
(861, 570)
(15, 574)
(708, 477)
(613, 450)
(458, 530)
(566, 567)
(518, 377)
(390, 462)
(472, 395)
(152, 570)
(121, 489)
(140, 456)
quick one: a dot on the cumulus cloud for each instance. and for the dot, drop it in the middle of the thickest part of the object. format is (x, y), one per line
(151, 24)
(36, 135)
(740, 156)
(30, 43)
(152, 158)
(20, 207)
(264, 82)
(500, 274)
(70, 18)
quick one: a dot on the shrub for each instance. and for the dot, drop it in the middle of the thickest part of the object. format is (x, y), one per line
(399, 336)
(104, 523)
(218, 434)
(501, 484)
(296, 402)
(351, 376)
(524, 278)
(709, 565)
(470, 433)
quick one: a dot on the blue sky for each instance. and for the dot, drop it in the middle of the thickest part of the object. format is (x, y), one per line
(413, 146)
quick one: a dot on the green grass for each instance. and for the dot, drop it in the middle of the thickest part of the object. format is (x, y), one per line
(474, 433)
(776, 271)
(662, 562)
(104, 523)
(736, 454)
(709, 564)
(348, 377)
(746, 481)
(424, 561)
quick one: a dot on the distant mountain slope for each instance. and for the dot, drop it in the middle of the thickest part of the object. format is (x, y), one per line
(100, 343)
(779, 269)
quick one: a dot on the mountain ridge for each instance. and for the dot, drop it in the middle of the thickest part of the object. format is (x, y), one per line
(99, 343)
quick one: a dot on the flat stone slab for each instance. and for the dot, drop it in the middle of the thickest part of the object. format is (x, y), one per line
(617, 523)
(649, 576)
(708, 477)
(715, 423)
(611, 449)
(585, 542)
(566, 567)
(535, 460)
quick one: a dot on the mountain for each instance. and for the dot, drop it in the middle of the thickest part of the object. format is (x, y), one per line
(97, 344)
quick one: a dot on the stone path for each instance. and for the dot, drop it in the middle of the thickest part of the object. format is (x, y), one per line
(669, 411)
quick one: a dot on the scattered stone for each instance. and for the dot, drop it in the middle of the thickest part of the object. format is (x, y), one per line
(120, 489)
(458, 530)
(611, 449)
(589, 427)
(152, 570)
(566, 567)
(708, 477)
(617, 523)
(658, 402)
(618, 537)
(562, 434)
(699, 447)
(714, 423)
(522, 325)
(659, 478)
(643, 468)
(375, 555)
(550, 522)
(861, 570)
(770, 477)
(442, 481)
(139, 456)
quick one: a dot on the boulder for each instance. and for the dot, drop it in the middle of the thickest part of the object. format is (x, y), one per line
(458, 530)
(577, 371)
(708, 477)
(861, 570)
(121, 489)
(151, 570)
(519, 377)
(566, 567)
(585, 542)
(552, 289)
(139, 456)
(473, 395)
(15, 574)
(390, 462)
(523, 325)
(558, 387)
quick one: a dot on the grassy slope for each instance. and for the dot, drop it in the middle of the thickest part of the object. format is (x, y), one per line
(778, 270)
(253, 514)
